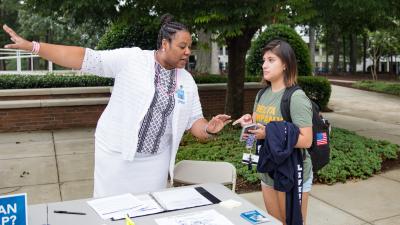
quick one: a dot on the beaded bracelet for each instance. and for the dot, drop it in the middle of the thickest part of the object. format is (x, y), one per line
(35, 47)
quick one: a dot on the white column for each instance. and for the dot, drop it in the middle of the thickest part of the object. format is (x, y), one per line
(214, 58)
(50, 66)
(18, 54)
(31, 62)
(387, 64)
(320, 55)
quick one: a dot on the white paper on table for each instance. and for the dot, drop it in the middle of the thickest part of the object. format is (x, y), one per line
(207, 217)
(106, 207)
(180, 198)
(150, 207)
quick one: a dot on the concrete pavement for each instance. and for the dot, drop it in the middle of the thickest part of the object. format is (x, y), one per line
(58, 165)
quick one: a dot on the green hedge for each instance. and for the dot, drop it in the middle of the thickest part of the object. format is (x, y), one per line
(379, 86)
(278, 31)
(317, 88)
(352, 156)
(140, 34)
(51, 81)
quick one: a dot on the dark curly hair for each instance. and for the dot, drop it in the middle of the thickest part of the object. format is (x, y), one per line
(168, 29)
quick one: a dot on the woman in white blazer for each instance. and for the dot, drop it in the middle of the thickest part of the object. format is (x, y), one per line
(154, 100)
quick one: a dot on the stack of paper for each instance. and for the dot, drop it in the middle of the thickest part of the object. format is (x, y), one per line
(150, 207)
(111, 206)
(207, 217)
(180, 198)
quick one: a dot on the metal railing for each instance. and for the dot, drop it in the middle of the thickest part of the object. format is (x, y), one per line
(13, 54)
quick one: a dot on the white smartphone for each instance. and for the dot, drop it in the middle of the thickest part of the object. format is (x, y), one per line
(246, 128)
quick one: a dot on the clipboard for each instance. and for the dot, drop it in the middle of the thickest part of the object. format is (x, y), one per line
(202, 191)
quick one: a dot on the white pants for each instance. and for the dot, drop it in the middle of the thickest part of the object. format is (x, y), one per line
(113, 175)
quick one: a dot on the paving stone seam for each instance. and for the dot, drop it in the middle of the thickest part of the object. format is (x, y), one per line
(389, 178)
(349, 213)
(385, 218)
(28, 185)
(56, 160)
(345, 113)
(9, 192)
(25, 157)
(75, 153)
(58, 140)
(77, 180)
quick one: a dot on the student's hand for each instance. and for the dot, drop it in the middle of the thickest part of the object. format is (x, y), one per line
(244, 120)
(19, 42)
(259, 132)
(217, 123)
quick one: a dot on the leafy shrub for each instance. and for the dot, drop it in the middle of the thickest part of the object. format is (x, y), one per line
(352, 156)
(317, 89)
(380, 86)
(139, 34)
(51, 81)
(278, 31)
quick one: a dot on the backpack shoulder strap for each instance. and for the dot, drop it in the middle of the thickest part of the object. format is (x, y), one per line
(285, 102)
(260, 93)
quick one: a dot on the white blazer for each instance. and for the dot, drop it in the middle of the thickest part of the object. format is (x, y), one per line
(133, 69)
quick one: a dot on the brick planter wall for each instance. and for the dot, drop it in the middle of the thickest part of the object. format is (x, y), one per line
(41, 111)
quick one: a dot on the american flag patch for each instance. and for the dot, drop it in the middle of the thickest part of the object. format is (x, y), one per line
(322, 138)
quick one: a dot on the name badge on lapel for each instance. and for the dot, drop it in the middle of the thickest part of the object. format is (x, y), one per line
(181, 95)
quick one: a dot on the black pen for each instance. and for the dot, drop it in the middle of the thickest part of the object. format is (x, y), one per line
(68, 212)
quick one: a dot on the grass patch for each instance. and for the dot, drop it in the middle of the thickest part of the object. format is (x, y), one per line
(379, 86)
(352, 156)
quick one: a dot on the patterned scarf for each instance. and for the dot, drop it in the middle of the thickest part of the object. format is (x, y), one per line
(162, 105)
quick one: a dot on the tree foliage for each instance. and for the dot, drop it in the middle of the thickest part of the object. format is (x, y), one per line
(123, 34)
(233, 21)
(382, 42)
(8, 15)
(58, 31)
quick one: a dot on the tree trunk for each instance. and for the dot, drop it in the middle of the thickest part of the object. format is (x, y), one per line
(238, 47)
(311, 34)
(326, 57)
(335, 53)
(353, 53)
(203, 62)
(344, 53)
(375, 55)
(373, 70)
(365, 43)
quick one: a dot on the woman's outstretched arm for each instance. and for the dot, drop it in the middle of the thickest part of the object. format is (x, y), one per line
(66, 56)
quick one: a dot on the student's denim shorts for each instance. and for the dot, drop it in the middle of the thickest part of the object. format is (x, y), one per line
(306, 185)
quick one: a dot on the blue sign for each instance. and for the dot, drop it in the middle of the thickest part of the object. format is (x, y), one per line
(13, 210)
